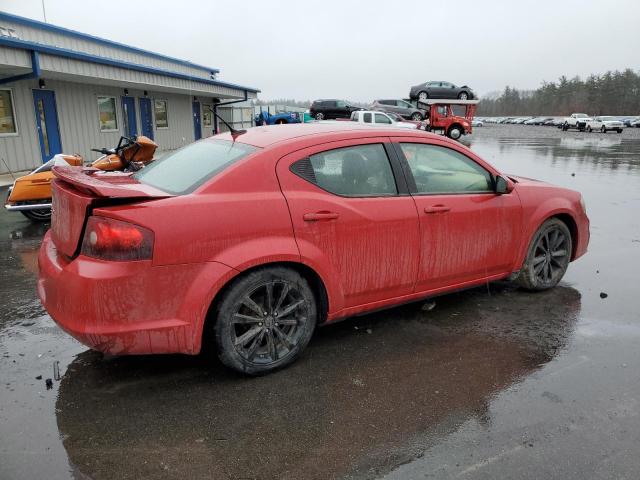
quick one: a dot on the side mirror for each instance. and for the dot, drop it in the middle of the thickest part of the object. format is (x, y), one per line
(502, 186)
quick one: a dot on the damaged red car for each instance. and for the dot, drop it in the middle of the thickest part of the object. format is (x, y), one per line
(249, 242)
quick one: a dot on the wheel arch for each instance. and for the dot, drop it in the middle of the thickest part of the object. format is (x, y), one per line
(315, 282)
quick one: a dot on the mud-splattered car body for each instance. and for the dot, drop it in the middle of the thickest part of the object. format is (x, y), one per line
(358, 251)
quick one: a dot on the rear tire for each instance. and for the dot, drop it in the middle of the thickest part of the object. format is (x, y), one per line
(39, 216)
(603, 130)
(619, 130)
(416, 117)
(265, 320)
(463, 96)
(281, 122)
(548, 256)
(423, 96)
(589, 129)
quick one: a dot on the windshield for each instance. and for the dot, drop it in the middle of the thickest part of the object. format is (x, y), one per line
(581, 115)
(186, 169)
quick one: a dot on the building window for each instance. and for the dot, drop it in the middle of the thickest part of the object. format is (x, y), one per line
(160, 113)
(207, 115)
(7, 114)
(107, 114)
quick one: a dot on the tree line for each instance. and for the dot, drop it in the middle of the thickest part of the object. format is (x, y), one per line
(613, 93)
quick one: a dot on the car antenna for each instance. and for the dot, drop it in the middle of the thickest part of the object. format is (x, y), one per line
(234, 133)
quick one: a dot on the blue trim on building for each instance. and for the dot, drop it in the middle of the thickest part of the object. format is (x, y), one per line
(34, 73)
(86, 57)
(85, 36)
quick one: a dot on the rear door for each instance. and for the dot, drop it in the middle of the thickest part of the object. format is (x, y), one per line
(468, 232)
(352, 219)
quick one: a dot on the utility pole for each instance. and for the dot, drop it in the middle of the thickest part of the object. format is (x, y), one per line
(44, 12)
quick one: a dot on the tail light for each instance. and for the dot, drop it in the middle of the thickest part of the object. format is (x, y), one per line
(109, 239)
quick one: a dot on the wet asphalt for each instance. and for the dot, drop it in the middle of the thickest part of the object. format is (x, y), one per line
(489, 383)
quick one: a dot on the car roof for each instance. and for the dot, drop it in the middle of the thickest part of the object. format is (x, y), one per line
(271, 135)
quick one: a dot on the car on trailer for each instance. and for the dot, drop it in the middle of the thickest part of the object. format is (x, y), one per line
(444, 119)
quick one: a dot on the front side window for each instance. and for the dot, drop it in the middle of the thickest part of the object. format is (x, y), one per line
(442, 170)
(358, 171)
(7, 114)
(107, 114)
(380, 118)
(160, 113)
(186, 169)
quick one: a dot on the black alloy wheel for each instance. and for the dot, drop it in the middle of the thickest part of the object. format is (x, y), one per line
(265, 320)
(548, 256)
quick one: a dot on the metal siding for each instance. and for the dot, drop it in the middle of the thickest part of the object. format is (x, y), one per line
(21, 152)
(33, 34)
(78, 121)
(15, 57)
(143, 80)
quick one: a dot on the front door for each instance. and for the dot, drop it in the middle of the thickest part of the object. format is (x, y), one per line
(349, 218)
(197, 124)
(146, 122)
(468, 232)
(47, 123)
(129, 116)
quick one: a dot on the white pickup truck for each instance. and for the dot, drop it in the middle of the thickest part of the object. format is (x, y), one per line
(381, 118)
(576, 120)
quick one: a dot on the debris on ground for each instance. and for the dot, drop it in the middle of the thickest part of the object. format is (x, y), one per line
(49, 383)
(428, 306)
(369, 330)
(603, 295)
(39, 377)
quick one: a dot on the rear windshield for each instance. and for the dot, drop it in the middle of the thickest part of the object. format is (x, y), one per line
(186, 169)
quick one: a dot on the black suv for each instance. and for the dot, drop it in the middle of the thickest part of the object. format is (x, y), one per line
(327, 109)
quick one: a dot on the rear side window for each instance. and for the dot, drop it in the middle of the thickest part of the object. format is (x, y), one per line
(329, 104)
(382, 118)
(186, 169)
(358, 171)
(366, 118)
(442, 170)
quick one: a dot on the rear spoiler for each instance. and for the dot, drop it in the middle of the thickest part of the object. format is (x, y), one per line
(109, 185)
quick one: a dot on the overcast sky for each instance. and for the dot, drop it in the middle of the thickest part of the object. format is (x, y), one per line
(361, 50)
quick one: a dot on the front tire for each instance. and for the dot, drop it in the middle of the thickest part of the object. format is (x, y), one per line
(463, 96)
(548, 256)
(589, 129)
(39, 216)
(454, 133)
(416, 117)
(603, 130)
(319, 116)
(619, 130)
(265, 320)
(423, 96)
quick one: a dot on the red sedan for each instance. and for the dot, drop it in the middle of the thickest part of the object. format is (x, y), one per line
(249, 242)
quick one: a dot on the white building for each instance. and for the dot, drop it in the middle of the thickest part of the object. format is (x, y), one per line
(66, 91)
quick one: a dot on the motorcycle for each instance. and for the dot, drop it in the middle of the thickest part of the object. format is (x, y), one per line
(31, 194)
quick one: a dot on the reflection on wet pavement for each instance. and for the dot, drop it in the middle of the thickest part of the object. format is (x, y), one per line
(492, 383)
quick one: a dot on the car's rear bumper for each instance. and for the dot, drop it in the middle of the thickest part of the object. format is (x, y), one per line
(128, 307)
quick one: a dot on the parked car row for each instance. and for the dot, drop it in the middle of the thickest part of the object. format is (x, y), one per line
(578, 121)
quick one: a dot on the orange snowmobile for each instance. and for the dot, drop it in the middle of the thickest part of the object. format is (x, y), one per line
(31, 194)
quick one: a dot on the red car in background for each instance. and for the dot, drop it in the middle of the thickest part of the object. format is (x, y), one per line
(250, 241)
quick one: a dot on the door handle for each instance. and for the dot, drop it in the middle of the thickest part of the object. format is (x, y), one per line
(436, 209)
(314, 217)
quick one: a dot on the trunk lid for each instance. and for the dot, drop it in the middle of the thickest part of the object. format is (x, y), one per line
(76, 190)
